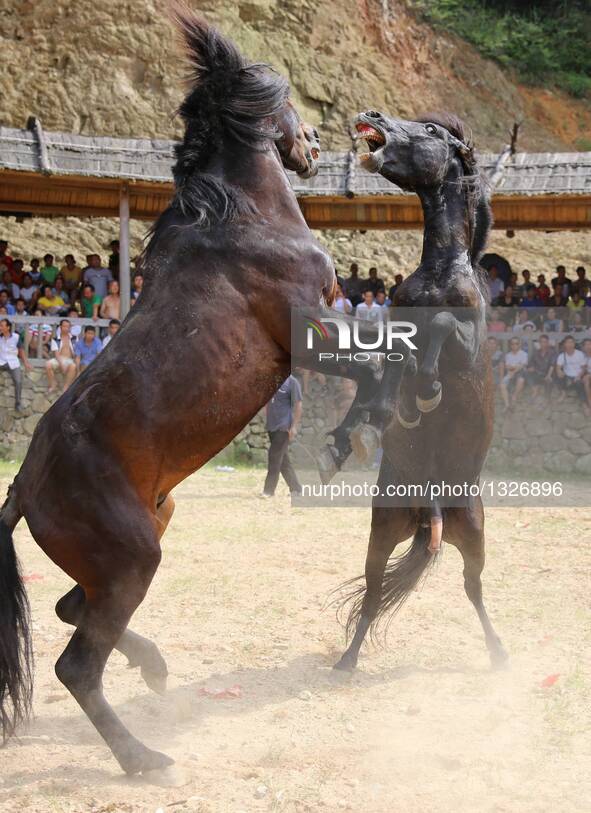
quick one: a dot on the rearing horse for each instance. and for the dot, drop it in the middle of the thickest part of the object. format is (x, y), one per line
(443, 395)
(198, 356)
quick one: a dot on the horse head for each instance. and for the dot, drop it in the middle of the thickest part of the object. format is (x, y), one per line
(299, 142)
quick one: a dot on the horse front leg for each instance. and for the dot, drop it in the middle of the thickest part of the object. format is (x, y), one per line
(442, 328)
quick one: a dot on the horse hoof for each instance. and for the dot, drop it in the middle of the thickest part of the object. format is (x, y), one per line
(408, 424)
(429, 404)
(327, 465)
(154, 681)
(345, 664)
(365, 442)
(499, 658)
(170, 777)
(139, 759)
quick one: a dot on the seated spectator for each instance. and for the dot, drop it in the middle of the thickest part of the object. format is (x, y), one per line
(20, 310)
(507, 299)
(35, 272)
(514, 374)
(523, 321)
(575, 303)
(39, 333)
(8, 307)
(11, 355)
(354, 285)
(111, 305)
(383, 302)
(50, 303)
(76, 329)
(581, 285)
(496, 324)
(541, 365)
(496, 358)
(29, 292)
(5, 258)
(553, 323)
(138, 284)
(11, 288)
(496, 285)
(543, 291)
(562, 280)
(571, 366)
(341, 303)
(531, 300)
(374, 283)
(557, 300)
(368, 310)
(49, 271)
(114, 326)
(526, 285)
(59, 289)
(576, 323)
(63, 358)
(398, 280)
(87, 348)
(17, 272)
(89, 302)
(98, 276)
(71, 273)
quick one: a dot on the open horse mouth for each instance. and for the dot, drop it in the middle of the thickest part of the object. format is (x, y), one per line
(373, 137)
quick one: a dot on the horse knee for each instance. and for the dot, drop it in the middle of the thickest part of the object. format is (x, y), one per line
(69, 607)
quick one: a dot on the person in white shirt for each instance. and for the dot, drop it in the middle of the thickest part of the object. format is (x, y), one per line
(571, 367)
(384, 303)
(114, 325)
(495, 283)
(63, 357)
(368, 309)
(11, 355)
(341, 303)
(514, 379)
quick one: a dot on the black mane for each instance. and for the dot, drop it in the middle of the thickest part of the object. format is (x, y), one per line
(229, 97)
(230, 100)
(479, 209)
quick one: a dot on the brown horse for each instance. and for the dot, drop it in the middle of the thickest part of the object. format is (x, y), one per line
(443, 395)
(200, 353)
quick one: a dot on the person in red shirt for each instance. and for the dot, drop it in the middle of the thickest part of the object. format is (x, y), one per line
(17, 272)
(542, 291)
(5, 258)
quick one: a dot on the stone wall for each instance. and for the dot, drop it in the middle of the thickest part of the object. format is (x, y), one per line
(553, 437)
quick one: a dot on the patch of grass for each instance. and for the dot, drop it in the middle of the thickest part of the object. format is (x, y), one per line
(546, 42)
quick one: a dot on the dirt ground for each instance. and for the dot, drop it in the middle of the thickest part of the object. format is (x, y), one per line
(424, 725)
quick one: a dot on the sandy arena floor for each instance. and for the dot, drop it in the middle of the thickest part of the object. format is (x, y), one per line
(424, 725)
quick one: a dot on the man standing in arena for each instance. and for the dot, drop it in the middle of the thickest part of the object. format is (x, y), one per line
(284, 412)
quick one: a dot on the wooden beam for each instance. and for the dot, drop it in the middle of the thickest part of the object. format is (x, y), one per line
(78, 196)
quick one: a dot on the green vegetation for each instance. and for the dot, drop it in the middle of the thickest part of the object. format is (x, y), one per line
(546, 42)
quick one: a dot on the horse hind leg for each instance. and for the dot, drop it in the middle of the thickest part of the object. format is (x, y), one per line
(467, 534)
(138, 650)
(122, 575)
(389, 527)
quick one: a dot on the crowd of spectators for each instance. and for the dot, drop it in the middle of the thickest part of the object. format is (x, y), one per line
(70, 291)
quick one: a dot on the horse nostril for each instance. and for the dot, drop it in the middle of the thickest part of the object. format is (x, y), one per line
(373, 114)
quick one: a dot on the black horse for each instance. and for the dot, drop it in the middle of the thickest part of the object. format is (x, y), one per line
(442, 395)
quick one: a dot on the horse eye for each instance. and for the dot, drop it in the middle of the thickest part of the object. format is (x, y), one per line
(431, 129)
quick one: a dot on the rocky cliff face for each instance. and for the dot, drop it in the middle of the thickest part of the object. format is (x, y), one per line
(114, 67)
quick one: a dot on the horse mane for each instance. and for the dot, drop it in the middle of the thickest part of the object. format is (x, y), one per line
(228, 97)
(475, 182)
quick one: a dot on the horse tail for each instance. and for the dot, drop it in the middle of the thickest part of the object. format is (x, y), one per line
(16, 654)
(402, 575)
